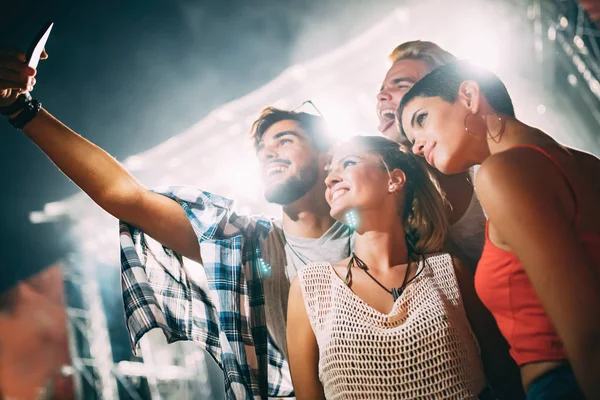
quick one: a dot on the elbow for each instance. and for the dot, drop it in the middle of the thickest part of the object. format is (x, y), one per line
(122, 201)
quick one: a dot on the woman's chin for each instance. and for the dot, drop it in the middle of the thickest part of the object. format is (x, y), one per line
(338, 213)
(451, 169)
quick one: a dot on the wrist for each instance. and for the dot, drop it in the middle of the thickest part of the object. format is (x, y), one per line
(20, 103)
(13, 116)
(22, 111)
(27, 114)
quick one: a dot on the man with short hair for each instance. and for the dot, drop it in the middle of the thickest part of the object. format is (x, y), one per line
(249, 262)
(411, 61)
(234, 305)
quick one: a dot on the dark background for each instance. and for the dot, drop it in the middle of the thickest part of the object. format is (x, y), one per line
(130, 74)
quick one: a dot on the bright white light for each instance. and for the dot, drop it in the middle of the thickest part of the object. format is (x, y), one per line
(564, 22)
(578, 41)
(37, 217)
(482, 48)
(240, 174)
(225, 115)
(340, 114)
(572, 79)
(235, 129)
(134, 163)
(551, 33)
(402, 14)
(298, 72)
(595, 86)
(55, 208)
(174, 162)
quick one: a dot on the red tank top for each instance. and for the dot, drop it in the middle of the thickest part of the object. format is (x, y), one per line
(503, 286)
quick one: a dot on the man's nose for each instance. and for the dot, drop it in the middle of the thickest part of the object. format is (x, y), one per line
(267, 154)
(384, 95)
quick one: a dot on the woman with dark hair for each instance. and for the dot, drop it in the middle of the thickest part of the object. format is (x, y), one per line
(394, 319)
(539, 272)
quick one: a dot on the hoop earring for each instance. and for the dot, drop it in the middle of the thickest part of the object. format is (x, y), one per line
(465, 125)
(497, 137)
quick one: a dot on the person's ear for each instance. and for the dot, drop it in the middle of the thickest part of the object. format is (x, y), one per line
(397, 180)
(469, 95)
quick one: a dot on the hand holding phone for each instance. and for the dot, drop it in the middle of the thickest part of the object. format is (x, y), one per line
(37, 46)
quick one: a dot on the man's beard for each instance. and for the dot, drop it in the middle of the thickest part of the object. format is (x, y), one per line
(293, 188)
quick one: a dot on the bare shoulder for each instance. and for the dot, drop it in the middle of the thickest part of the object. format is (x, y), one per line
(517, 175)
(506, 165)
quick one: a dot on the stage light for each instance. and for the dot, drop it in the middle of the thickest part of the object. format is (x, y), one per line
(482, 48)
(564, 22)
(572, 79)
(340, 115)
(55, 208)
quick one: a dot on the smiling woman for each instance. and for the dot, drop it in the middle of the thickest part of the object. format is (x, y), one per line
(395, 288)
(363, 173)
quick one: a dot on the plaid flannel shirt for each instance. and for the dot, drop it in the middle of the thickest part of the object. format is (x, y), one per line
(220, 306)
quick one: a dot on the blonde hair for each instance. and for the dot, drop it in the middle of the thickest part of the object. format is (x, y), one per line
(424, 215)
(429, 52)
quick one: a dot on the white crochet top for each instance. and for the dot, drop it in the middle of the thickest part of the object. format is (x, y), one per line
(424, 348)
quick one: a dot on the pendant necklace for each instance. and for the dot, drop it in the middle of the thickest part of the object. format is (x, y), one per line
(395, 292)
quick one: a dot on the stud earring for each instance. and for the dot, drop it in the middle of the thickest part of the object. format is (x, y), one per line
(391, 188)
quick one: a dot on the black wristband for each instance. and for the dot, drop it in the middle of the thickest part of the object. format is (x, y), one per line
(20, 103)
(29, 112)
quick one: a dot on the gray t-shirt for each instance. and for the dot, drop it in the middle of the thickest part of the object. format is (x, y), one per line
(286, 255)
(468, 233)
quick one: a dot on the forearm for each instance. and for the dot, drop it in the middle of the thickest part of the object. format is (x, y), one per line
(303, 350)
(95, 171)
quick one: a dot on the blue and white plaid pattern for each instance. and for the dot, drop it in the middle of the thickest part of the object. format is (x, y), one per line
(220, 307)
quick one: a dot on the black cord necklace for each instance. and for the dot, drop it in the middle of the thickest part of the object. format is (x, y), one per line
(395, 292)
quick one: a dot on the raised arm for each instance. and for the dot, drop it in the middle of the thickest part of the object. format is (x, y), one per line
(524, 197)
(500, 369)
(95, 171)
(303, 352)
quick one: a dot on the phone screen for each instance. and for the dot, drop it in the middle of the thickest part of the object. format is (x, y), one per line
(37, 46)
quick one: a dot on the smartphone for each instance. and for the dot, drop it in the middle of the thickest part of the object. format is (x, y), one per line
(37, 46)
